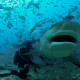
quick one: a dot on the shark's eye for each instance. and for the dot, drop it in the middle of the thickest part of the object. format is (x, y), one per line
(63, 38)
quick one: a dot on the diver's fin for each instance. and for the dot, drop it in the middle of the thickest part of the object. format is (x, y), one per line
(72, 58)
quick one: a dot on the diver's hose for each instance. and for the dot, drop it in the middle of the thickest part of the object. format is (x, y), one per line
(29, 53)
(21, 54)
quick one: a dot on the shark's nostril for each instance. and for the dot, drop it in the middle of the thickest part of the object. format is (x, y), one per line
(63, 38)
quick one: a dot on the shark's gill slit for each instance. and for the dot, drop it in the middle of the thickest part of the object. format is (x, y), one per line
(63, 38)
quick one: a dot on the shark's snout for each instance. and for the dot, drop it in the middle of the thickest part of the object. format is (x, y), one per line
(60, 40)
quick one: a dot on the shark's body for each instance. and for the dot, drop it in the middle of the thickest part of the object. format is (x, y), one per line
(60, 41)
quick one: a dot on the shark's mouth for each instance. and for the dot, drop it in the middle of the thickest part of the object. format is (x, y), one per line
(63, 38)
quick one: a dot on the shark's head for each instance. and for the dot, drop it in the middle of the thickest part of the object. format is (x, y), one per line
(60, 39)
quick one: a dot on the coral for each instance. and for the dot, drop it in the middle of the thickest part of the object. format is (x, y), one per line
(60, 71)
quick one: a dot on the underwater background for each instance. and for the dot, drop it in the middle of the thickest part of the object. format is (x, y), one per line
(22, 20)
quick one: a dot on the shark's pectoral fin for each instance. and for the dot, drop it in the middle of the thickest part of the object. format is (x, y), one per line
(72, 58)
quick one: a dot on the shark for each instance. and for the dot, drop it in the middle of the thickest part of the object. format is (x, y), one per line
(69, 16)
(60, 41)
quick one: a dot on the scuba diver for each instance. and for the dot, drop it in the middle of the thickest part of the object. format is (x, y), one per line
(23, 62)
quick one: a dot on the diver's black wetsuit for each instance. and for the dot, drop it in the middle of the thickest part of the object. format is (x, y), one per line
(22, 62)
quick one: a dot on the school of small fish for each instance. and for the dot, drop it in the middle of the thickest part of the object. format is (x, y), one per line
(10, 13)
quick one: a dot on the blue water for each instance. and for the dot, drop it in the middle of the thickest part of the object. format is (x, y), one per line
(21, 20)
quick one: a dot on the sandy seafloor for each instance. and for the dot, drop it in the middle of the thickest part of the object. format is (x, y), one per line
(63, 70)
